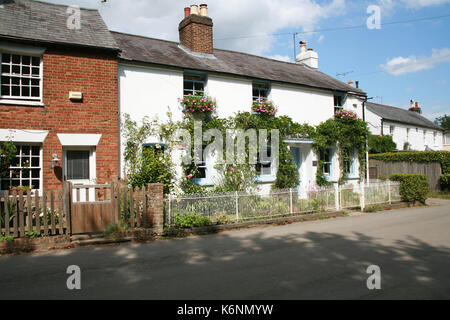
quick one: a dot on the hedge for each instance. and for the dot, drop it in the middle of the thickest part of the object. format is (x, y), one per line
(443, 157)
(413, 187)
(445, 182)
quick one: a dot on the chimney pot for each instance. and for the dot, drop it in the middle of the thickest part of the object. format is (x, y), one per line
(303, 46)
(357, 84)
(187, 12)
(194, 9)
(204, 10)
(350, 83)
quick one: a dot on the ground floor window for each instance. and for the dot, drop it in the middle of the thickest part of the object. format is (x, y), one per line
(326, 158)
(26, 169)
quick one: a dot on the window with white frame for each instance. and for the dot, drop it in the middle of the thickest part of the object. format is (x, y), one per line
(194, 85)
(261, 91)
(338, 99)
(407, 134)
(202, 168)
(424, 136)
(264, 168)
(326, 158)
(349, 159)
(26, 168)
(21, 77)
(434, 137)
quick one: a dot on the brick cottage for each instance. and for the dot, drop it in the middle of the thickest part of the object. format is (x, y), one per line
(59, 92)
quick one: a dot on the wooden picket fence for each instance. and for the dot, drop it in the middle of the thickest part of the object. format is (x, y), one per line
(79, 209)
(25, 213)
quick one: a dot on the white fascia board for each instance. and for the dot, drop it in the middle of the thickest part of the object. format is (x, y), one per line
(79, 140)
(21, 135)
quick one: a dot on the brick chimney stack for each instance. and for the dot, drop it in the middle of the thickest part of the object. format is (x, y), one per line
(196, 30)
(415, 107)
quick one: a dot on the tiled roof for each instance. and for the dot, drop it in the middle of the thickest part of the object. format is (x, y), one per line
(401, 115)
(167, 53)
(45, 22)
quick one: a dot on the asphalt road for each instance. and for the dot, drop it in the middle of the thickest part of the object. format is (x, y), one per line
(313, 260)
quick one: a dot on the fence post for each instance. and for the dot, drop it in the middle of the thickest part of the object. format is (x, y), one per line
(363, 196)
(237, 207)
(290, 199)
(337, 196)
(389, 191)
(170, 209)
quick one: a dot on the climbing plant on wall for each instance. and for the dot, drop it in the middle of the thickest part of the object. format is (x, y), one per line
(345, 133)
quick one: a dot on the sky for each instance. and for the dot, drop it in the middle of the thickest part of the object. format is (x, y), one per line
(406, 57)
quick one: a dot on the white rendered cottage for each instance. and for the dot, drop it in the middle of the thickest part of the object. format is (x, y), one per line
(408, 128)
(154, 74)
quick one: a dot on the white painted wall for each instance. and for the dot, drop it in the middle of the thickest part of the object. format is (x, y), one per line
(302, 105)
(148, 91)
(232, 95)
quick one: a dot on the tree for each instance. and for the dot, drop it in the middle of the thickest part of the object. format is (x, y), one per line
(443, 122)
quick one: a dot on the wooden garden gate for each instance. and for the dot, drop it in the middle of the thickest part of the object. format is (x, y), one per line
(92, 208)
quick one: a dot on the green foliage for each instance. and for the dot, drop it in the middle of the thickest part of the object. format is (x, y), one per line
(413, 187)
(443, 122)
(238, 177)
(191, 221)
(381, 144)
(8, 152)
(155, 168)
(443, 157)
(445, 182)
(4, 238)
(116, 230)
(33, 234)
(346, 134)
(145, 165)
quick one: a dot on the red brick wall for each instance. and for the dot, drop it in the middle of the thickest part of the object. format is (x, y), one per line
(95, 75)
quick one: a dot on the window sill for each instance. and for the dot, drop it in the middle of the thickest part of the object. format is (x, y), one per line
(21, 103)
(203, 182)
(265, 179)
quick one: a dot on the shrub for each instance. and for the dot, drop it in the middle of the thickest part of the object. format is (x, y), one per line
(381, 144)
(116, 230)
(443, 157)
(9, 238)
(191, 221)
(413, 187)
(445, 182)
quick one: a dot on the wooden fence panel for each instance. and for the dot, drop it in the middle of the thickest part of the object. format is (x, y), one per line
(386, 168)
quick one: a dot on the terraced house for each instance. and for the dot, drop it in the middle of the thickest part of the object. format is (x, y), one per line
(58, 99)
(154, 74)
(408, 128)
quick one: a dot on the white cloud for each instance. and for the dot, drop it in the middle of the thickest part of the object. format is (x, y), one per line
(400, 65)
(232, 18)
(424, 3)
(280, 57)
(321, 38)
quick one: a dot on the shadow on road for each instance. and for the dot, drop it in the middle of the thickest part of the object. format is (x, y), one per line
(234, 266)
